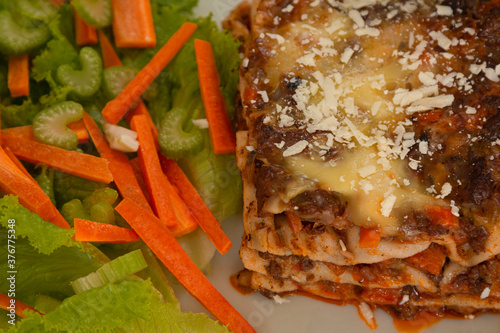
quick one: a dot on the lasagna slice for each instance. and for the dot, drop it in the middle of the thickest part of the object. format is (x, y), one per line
(370, 152)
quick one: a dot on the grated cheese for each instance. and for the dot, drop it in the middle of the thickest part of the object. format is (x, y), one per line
(296, 148)
(387, 205)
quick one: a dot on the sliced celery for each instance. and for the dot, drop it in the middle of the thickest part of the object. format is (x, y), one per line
(97, 13)
(174, 141)
(74, 209)
(36, 9)
(16, 39)
(102, 212)
(49, 125)
(86, 81)
(103, 194)
(46, 181)
(116, 78)
(111, 272)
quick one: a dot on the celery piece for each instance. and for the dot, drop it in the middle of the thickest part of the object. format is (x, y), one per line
(116, 78)
(102, 212)
(174, 141)
(111, 272)
(97, 13)
(36, 9)
(103, 194)
(49, 125)
(16, 39)
(86, 81)
(46, 181)
(74, 209)
(46, 304)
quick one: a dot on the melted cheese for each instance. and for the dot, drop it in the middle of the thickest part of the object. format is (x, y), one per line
(347, 177)
(360, 82)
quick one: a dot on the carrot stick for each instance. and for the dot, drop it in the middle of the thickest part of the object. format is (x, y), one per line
(294, 221)
(109, 56)
(369, 238)
(27, 131)
(18, 76)
(141, 109)
(85, 33)
(136, 166)
(152, 173)
(18, 164)
(169, 207)
(194, 202)
(111, 59)
(119, 166)
(116, 109)
(8, 303)
(58, 219)
(186, 220)
(90, 231)
(221, 134)
(176, 260)
(133, 23)
(80, 130)
(14, 181)
(72, 162)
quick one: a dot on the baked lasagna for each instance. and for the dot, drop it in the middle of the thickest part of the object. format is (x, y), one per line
(369, 148)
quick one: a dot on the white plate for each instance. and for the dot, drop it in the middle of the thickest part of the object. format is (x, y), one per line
(301, 314)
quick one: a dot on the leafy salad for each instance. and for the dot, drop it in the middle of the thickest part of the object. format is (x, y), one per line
(85, 286)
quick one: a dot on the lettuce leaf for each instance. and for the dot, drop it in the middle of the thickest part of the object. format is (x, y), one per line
(127, 306)
(43, 236)
(47, 259)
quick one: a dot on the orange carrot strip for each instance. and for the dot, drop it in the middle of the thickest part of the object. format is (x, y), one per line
(163, 195)
(9, 304)
(221, 134)
(186, 220)
(119, 166)
(176, 260)
(14, 181)
(141, 109)
(85, 33)
(133, 23)
(81, 131)
(152, 173)
(136, 166)
(18, 164)
(194, 202)
(116, 109)
(369, 238)
(72, 162)
(58, 219)
(294, 221)
(442, 216)
(90, 231)
(109, 56)
(27, 131)
(430, 260)
(18, 76)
